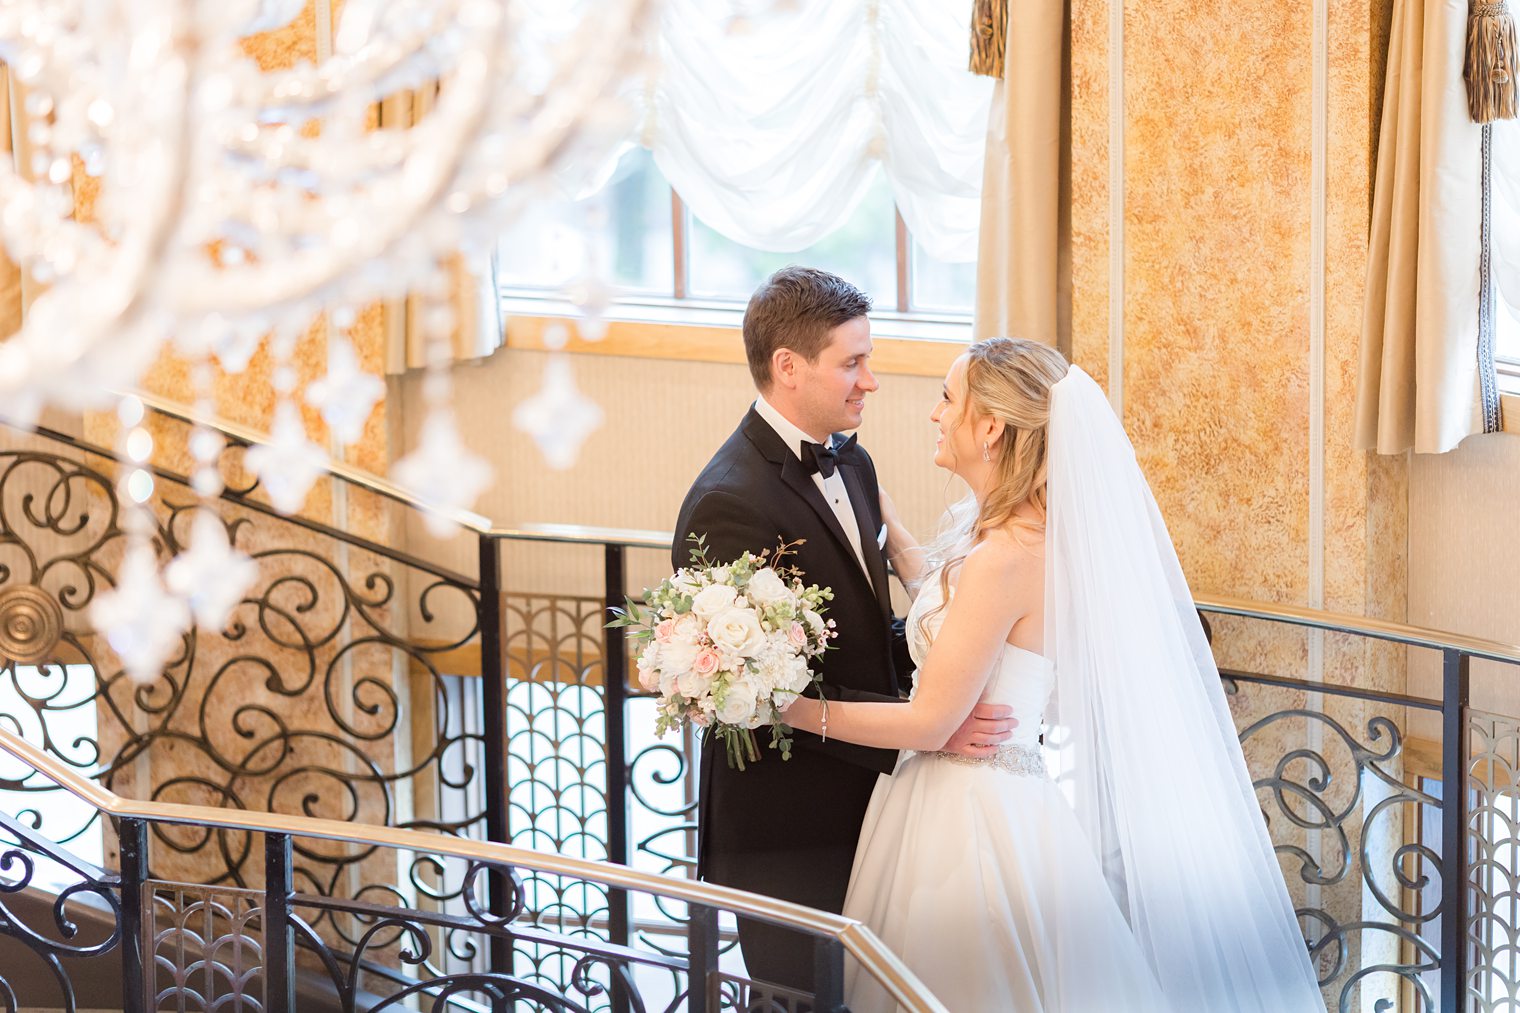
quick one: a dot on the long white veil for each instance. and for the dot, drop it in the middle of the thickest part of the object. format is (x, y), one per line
(1142, 740)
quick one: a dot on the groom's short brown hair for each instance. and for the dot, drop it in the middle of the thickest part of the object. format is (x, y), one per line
(797, 308)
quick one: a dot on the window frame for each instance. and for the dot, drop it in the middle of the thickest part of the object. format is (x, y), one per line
(903, 320)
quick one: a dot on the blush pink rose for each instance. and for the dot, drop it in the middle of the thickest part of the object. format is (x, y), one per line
(706, 663)
(665, 630)
(797, 635)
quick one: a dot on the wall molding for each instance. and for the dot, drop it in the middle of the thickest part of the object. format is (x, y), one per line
(1116, 301)
(709, 343)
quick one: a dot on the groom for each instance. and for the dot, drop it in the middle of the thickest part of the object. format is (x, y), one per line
(789, 829)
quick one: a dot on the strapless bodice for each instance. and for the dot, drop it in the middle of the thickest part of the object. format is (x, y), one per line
(1021, 680)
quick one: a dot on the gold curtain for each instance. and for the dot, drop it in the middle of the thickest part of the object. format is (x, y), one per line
(1023, 281)
(1419, 382)
(13, 287)
(478, 329)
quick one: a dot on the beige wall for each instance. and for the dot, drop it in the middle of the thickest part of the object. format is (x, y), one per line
(664, 420)
(1464, 561)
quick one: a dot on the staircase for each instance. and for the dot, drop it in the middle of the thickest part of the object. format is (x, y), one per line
(395, 782)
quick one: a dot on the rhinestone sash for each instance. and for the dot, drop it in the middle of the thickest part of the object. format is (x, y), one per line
(1026, 761)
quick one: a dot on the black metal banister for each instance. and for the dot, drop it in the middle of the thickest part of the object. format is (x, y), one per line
(278, 829)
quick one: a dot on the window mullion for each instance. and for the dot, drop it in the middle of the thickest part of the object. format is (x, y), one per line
(679, 222)
(904, 264)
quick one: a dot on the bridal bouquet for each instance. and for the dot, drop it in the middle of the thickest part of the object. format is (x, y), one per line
(727, 646)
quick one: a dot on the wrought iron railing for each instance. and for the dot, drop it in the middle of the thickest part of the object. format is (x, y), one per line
(387, 688)
(239, 948)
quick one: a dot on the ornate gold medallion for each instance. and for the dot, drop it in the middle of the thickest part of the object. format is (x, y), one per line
(30, 624)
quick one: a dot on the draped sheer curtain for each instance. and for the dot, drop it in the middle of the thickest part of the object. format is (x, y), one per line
(772, 128)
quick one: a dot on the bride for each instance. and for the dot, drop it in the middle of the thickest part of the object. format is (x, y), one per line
(1135, 873)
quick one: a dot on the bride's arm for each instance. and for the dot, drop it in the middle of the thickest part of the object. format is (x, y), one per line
(977, 622)
(902, 549)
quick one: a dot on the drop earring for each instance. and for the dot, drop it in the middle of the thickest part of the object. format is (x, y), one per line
(986, 450)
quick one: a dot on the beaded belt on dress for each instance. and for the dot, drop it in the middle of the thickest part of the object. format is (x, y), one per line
(1025, 760)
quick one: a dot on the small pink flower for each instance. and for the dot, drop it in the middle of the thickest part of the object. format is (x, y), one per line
(665, 631)
(797, 635)
(706, 663)
(649, 679)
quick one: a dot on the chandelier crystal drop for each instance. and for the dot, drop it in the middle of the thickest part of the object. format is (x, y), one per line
(167, 190)
(234, 201)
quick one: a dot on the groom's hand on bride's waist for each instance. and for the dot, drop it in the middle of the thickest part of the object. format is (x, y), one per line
(988, 727)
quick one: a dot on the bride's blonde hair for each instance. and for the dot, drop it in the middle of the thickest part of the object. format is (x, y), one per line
(1009, 379)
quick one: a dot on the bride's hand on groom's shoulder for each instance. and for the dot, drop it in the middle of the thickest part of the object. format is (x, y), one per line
(901, 549)
(988, 727)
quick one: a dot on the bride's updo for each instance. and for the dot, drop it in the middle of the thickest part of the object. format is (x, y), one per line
(1009, 379)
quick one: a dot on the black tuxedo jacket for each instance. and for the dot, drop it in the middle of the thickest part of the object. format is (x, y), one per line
(789, 828)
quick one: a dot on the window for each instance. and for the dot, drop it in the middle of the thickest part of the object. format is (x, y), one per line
(55, 703)
(637, 233)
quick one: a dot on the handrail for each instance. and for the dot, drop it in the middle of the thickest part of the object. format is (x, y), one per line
(875, 959)
(1336, 622)
(338, 469)
(1378, 629)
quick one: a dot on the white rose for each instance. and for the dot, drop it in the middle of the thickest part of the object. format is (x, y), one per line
(692, 686)
(814, 621)
(676, 657)
(683, 584)
(738, 706)
(687, 628)
(649, 667)
(713, 599)
(767, 588)
(721, 574)
(667, 685)
(798, 676)
(737, 630)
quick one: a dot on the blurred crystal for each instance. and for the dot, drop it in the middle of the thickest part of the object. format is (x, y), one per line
(289, 464)
(559, 417)
(347, 394)
(142, 621)
(211, 576)
(442, 472)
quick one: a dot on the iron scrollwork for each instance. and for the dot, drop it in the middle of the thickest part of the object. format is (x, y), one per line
(327, 694)
(1346, 794)
(77, 890)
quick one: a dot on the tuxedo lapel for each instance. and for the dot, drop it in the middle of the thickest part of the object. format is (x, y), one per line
(796, 478)
(867, 528)
(799, 481)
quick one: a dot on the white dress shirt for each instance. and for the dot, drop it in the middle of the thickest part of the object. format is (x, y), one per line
(833, 488)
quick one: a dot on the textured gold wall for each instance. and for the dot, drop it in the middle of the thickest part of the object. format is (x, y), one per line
(1215, 221)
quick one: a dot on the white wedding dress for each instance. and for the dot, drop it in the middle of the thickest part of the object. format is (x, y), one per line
(978, 874)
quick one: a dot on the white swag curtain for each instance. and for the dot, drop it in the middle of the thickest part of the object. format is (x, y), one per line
(771, 128)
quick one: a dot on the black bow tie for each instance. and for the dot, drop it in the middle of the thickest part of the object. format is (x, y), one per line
(824, 459)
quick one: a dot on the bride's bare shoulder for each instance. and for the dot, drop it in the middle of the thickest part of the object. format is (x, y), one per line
(1008, 551)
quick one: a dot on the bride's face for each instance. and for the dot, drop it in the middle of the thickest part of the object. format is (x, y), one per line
(956, 447)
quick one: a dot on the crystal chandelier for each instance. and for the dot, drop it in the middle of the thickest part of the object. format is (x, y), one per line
(236, 204)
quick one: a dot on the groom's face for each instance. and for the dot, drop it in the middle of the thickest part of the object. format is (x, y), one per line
(832, 391)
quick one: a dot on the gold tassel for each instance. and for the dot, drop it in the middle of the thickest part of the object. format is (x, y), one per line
(1489, 68)
(989, 37)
